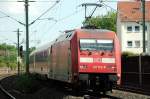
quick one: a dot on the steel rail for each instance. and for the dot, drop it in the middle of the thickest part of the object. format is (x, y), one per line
(133, 89)
(7, 93)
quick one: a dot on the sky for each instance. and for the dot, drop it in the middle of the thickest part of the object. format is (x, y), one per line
(65, 15)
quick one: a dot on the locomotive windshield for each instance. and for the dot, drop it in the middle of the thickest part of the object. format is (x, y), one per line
(93, 44)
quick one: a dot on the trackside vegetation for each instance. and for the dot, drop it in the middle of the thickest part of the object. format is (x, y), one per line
(8, 56)
(27, 83)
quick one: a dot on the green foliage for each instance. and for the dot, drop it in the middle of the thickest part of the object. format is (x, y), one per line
(32, 49)
(107, 21)
(8, 56)
(2, 64)
(128, 54)
(2, 59)
(13, 65)
(9, 47)
(27, 83)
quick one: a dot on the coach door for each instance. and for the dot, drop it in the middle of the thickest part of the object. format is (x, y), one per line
(50, 63)
(69, 64)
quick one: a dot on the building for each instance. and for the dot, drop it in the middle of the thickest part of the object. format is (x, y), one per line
(129, 25)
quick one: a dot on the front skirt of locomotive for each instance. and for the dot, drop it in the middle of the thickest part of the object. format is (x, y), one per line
(97, 82)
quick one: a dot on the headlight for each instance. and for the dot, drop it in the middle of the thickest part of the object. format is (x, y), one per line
(83, 67)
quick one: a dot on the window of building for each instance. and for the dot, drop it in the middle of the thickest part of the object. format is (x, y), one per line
(129, 43)
(137, 44)
(137, 28)
(129, 28)
(145, 28)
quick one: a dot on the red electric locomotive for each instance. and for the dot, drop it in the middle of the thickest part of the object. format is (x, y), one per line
(84, 58)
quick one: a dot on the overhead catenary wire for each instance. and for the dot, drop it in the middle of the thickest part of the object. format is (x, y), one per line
(47, 19)
(3, 16)
(32, 0)
(45, 12)
(70, 15)
(107, 6)
(62, 19)
(11, 17)
(51, 26)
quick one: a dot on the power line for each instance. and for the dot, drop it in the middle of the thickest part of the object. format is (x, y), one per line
(107, 5)
(44, 12)
(3, 16)
(70, 15)
(32, 1)
(48, 1)
(64, 18)
(8, 1)
(59, 20)
(11, 17)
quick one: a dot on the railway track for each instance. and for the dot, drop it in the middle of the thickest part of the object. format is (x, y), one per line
(99, 96)
(55, 90)
(5, 94)
(133, 89)
(81, 95)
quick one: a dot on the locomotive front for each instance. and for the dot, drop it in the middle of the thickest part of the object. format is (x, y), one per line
(98, 59)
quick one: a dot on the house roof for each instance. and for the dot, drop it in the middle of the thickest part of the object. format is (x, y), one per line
(132, 11)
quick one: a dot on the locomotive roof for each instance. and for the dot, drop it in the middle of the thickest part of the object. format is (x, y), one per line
(41, 48)
(94, 30)
(89, 30)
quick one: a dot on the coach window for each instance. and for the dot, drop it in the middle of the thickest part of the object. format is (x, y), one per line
(129, 43)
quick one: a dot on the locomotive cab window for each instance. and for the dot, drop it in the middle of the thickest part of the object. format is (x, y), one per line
(105, 45)
(94, 44)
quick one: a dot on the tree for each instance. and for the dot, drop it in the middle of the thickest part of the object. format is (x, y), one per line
(107, 21)
(7, 55)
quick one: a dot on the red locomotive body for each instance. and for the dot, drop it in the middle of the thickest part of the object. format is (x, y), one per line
(85, 58)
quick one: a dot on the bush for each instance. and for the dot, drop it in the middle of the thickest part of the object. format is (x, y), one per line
(27, 83)
(128, 54)
(2, 64)
(13, 65)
